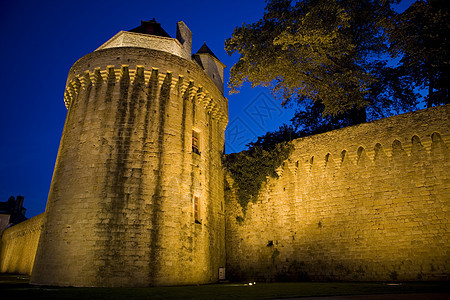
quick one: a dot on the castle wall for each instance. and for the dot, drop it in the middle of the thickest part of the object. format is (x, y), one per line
(367, 202)
(18, 246)
(120, 210)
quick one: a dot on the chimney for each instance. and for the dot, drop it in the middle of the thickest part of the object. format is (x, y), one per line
(19, 204)
(184, 36)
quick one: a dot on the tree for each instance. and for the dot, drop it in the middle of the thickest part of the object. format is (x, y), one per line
(313, 50)
(311, 120)
(332, 60)
(269, 140)
(250, 168)
(420, 38)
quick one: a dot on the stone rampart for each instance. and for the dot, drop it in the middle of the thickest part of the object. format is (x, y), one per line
(368, 202)
(18, 246)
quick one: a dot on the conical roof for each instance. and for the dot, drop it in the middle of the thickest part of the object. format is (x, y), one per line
(205, 49)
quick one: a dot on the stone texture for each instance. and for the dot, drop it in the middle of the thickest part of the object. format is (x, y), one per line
(18, 246)
(368, 202)
(120, 207)
(133, 39)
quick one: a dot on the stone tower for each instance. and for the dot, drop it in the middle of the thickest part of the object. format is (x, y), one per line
(137, 197)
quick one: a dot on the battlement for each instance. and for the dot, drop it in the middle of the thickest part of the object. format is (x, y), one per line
(112, 75)
(371, 142)
(366, 202)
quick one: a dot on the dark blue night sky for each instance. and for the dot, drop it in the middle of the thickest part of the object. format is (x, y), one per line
(40, 40)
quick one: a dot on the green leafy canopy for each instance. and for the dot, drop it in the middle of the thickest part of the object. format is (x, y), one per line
(311, 49)
(250, 169)
(420, 37)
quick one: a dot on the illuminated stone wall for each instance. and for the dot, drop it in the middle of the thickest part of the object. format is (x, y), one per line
(133, 39)
(120, 210)
(18, 246)
(368, 202)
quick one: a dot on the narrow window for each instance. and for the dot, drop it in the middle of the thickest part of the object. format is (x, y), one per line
(195, 142)
(196, 210)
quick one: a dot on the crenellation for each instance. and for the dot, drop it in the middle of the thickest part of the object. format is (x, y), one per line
(413, 148)
(125, 74)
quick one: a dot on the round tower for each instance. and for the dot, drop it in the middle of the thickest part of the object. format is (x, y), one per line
(136, 197)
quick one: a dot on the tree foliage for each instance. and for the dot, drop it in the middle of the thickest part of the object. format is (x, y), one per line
(250, 169)
(333, 59)
(314, 50)
(269, 140)
(420, 38)
(311, 120)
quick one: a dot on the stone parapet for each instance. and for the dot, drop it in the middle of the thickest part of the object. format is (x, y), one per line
(363, 203)
(184, 75)
(18, 246)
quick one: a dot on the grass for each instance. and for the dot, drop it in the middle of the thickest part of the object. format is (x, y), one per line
(18, 287)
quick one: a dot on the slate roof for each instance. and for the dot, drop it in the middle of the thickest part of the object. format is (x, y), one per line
(150, 27)
(205, 49)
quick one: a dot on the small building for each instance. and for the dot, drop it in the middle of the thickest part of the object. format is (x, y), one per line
(12, 212)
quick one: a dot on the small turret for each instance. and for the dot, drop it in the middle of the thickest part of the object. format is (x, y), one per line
(211, 64)
(12, 212)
